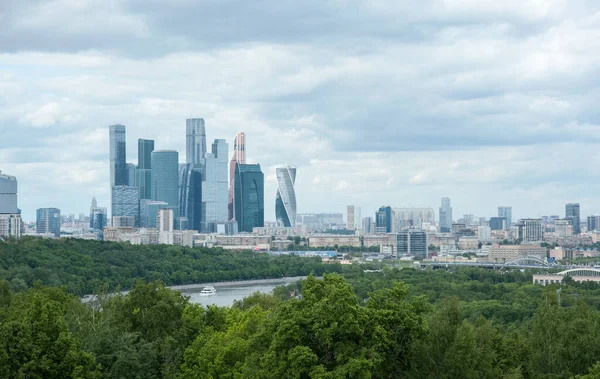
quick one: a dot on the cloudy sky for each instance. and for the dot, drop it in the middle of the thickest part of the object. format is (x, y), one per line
(376, 102)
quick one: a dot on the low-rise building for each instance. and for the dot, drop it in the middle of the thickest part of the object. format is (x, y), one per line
(504, 253)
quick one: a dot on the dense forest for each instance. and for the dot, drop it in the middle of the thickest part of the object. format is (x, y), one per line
(399, 323)
(85, 267)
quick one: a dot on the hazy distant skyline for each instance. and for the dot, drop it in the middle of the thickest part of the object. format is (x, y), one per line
(375, 102)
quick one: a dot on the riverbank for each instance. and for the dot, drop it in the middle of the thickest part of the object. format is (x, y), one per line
(192, 287)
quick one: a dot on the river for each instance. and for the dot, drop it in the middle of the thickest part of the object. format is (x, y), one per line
(228, 292)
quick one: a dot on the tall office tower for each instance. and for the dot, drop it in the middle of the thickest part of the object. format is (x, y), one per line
(412, 242)
(149, 212)
(249, 197)
(445, 216)
(165, 177)
(572, 213)
(367, 225)
(350, 221)
(190, 195)
(215, 187)
(239, 156)
(285, 201)
(593, 223)
(195, 141)
(48, 221)
(383, 220)
(126, 202)
(143, 178)
(118, 156)
(506, 212)
(98, 216)
(530, 230)
(10, 215)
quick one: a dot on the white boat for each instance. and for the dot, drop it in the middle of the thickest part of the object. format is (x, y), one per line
(208, 291)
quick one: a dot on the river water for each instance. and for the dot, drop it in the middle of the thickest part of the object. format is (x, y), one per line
(229, 292)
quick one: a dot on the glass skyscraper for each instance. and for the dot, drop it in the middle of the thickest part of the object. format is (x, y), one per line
(383, 220)
(165, 177)
(190, 195)
(285, 201)
(239, 156)
(118, 156)
(144, 168)
(47, 220)
(149, 211)
(249, 197)
(215, 187)
(195, 141)
(572, 213)
(8, 194)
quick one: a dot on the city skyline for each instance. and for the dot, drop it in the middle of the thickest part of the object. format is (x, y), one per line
(389, 105)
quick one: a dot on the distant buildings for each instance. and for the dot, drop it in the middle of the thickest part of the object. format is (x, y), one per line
(319, 221)
(98, 217)
(563, 228)
(190, 194)
(48, 221)
(249, 195)
(506, 212)
(285, 201)
(10, 216)
(411, 218)
(445, 216)
(572, 213)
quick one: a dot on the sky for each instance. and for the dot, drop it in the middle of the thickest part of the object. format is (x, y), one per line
(376, 102)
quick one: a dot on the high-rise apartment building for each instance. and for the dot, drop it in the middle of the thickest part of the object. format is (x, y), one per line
(126, 202)
(368, 225)
(249, 197)
(165, 226)
(144, 168)
(165, 177)
(285, 201)
(530, 230)
(10, 216)
(118, 156)
(350, 220)
(412, 217)
(215, 187)
(358, 217)
(563, 228)
(572, 213)
(239, 156)
(48, 221)
(195, 142)
(445, 215)
(412, 242)
(506, 212)
(484, 233)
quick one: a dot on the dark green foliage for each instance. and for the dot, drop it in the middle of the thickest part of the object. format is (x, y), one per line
(85, 267)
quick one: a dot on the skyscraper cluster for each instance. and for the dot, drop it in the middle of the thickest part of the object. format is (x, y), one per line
(204, 193)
